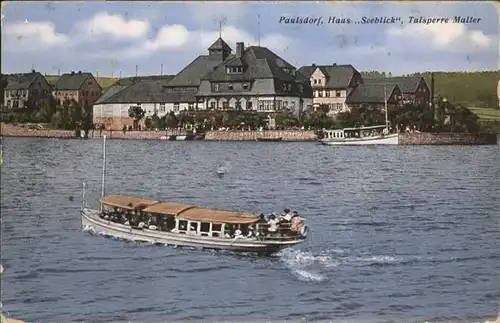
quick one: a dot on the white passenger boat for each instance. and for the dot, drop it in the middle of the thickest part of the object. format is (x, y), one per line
(373, 135)
(158, 222)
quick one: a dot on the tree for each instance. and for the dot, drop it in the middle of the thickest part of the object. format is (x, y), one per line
(155, 121)
(136, 113)
(171, 120)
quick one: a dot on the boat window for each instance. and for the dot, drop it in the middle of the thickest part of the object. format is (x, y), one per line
(204, 228)
(193, 226)
(182, 226)
(216, 230)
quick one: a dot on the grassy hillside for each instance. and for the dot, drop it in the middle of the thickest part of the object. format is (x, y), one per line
(474, 89)
(471, 89)
(486, 114)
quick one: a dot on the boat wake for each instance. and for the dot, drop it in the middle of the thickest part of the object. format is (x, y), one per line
(316, 267)
(307, 266)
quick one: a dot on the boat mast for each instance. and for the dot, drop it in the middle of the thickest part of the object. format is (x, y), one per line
(103, 171)
(385, 103)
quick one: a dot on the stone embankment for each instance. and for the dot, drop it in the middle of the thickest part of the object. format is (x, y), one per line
(285, 135)
(425, 138)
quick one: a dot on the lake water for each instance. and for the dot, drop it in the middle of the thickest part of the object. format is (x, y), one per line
(399, 233)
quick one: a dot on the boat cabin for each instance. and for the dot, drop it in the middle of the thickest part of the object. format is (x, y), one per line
(187, 219)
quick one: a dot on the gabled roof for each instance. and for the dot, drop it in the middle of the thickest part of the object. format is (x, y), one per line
(371, 93)
(147, 91)
(406, 84)
(109, 92)
(219, 45)
(21, 81)
(338, 76)
(191, 74)
(258, 62)
(72, 81)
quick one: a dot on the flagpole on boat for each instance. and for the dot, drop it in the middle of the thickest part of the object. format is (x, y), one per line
(103, 171)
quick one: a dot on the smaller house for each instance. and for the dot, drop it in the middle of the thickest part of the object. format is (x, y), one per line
(111, 109)
(414, 89)
(374, 96)
(23, 90)
(83, 88)
(332, 84)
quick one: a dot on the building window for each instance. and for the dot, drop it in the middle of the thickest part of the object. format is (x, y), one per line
(216, 87)
(225, 105)
(238, 105)
(339, 106)
(162, 107)
(315, 81)
(301, 88)
(212, 105)
(234, 70)
(245, 86)
(327, 93)
(249, 105)
(292, 105)
(289, 86)
(338, 94)
(320, 94)
(285, 104)
(176, 107)
(278, 105)
(284, 87)
(191, 106)
(231, 87)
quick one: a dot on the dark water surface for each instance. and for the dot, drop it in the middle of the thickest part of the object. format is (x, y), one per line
(398, 233)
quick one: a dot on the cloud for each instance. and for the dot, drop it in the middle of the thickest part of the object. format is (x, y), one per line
(29, 36)
(179, 37)
(104, 25)
(450, 37)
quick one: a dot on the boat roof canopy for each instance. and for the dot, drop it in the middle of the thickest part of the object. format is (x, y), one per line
(356, 129)
(127, 202)
(217, 216)
(183, 211)
(167, 208)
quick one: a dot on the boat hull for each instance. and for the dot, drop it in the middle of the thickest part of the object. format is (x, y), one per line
(93, 223)
(392, 139)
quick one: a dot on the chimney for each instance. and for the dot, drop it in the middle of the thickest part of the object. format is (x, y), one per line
(72, 72)
(314, 65)
(240, 48)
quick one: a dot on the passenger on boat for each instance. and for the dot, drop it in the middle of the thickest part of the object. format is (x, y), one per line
(287, 216)
(237, 233)
(273, 223)
(297, 223)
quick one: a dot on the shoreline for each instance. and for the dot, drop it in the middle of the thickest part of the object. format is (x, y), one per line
(8, 130)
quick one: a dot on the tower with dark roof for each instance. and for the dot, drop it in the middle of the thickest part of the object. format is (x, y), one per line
(220, 47)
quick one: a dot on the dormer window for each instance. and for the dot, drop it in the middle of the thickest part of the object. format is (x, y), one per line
(216, 87)
(289, 87)
(301, 88)
(245, 86)
(234, 70)
(231, 87)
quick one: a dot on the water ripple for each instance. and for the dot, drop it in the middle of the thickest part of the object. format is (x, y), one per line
(397, 233)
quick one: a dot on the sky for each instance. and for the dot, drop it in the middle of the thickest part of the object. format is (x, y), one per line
(109, 38)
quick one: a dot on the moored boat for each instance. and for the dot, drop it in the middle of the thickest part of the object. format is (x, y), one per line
(139, 219)
(373, 135)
